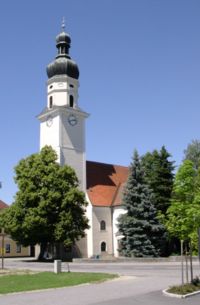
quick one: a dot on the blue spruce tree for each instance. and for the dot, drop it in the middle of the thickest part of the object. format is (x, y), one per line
(139, 226)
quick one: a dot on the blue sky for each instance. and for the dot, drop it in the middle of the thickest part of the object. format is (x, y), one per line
(139, 64)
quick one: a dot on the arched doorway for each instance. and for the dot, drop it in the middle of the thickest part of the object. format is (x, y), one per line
(103, 246)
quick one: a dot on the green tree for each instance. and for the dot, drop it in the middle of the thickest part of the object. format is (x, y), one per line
(48, 207)
(159, 176)
(183, 215)
(141, 230)
(192, 153)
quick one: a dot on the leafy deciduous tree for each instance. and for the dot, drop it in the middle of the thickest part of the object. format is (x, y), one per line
(183, 216)
(192, 153)
(49, 207)
(184, 213)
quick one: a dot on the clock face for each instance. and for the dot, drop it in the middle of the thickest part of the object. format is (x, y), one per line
(49, 121)
(72, 120)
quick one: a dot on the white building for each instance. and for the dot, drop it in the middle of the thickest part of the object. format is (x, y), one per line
(62, 125)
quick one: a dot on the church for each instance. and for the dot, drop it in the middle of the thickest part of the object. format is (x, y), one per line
(62, 126)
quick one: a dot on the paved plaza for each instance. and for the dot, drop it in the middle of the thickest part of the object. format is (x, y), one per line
(139, 284)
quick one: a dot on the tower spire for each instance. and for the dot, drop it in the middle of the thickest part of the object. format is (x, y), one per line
(63, 24)
(63, 64)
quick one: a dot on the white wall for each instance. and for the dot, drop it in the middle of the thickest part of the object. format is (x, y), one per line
(89, 232)
(117, 211)
(49, 135)
(73, 136)
(60, 88)
(102, 213)
(72, 145)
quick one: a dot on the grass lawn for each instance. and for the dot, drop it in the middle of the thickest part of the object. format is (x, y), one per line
(185, 289)
(44, 280)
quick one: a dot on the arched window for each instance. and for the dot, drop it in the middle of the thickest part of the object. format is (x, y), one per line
(103, 246)
(51, 101)
(102, 225)
(71, 101)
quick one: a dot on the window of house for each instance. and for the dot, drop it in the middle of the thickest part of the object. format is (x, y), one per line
(103, 246)
(7, 248)
(102, 225)
(51, 101)
(18, 248)
(71, 101)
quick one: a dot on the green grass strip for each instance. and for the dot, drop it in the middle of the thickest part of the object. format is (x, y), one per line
(185, 289)
(45, 280)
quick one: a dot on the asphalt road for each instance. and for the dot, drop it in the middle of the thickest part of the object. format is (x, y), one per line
(139, 284)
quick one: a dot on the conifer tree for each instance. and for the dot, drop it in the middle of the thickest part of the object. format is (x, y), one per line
(141, 230)
(159, 176)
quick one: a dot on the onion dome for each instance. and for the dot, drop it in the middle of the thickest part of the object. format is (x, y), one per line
(63, 64)
(63, 38)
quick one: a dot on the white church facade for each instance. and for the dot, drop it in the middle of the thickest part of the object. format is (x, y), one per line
(62, 126)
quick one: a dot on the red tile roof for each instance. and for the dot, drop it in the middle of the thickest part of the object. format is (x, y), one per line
(3, 205)
(105, 183)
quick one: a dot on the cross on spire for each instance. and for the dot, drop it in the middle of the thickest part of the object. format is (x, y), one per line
(63, 24)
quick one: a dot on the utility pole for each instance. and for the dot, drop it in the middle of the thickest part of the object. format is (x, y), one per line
(2, 234)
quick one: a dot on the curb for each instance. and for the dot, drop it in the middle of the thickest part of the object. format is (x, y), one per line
(180, 296)
(121, 259)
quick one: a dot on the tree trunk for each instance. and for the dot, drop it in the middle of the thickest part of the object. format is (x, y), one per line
(199, 245)
(58, 251)
(186, 263)
(182, 275)
(191, 266)
(43, 249)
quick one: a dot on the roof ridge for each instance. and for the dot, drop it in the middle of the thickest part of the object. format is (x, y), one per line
(103, 163)
(3, 204)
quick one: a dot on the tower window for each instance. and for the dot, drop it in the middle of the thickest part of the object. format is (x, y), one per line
(51, 101)
(51, 87)
(102, 225)
(71, 101)
(103, 246)
(72, 86)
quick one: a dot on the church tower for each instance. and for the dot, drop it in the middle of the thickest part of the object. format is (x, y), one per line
(62, 122)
